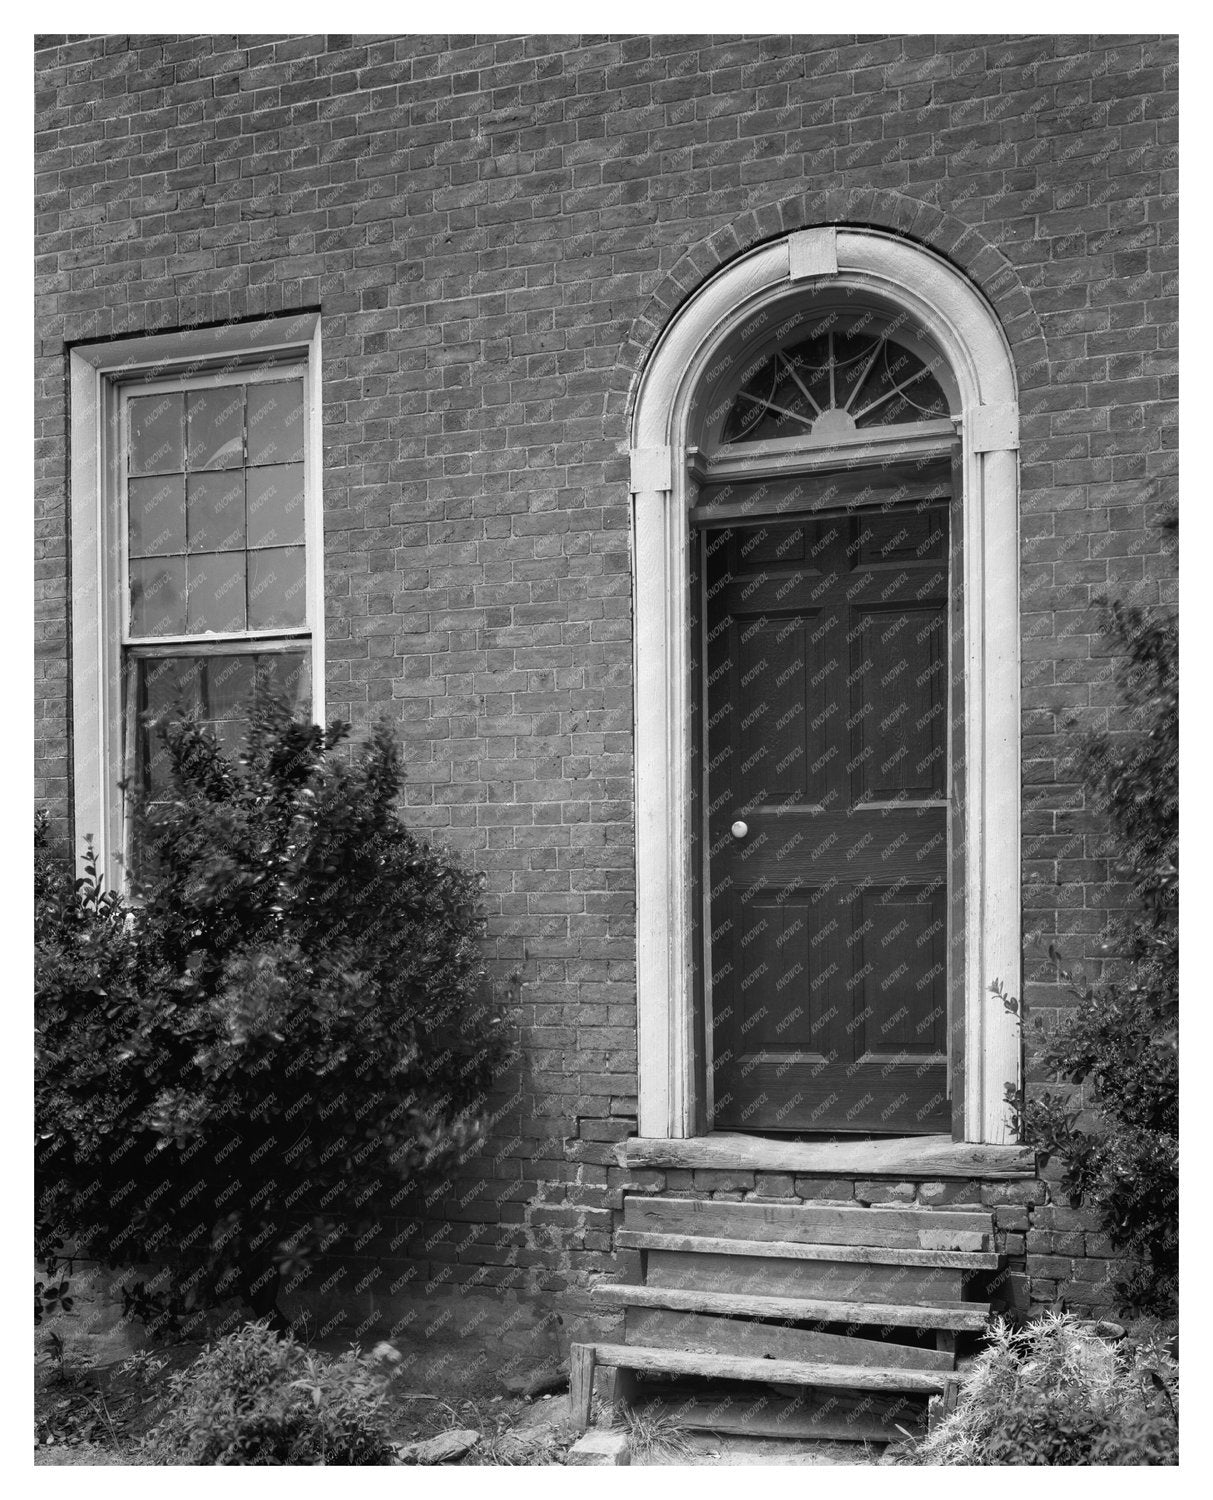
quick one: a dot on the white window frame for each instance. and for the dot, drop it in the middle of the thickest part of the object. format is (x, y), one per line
(100, 376)
(960, 323)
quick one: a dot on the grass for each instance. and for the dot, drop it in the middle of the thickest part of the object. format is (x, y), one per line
(81, 1412)
(652, 1433)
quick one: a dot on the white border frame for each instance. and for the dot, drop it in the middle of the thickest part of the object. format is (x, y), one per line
(963, 326)
(97, 372)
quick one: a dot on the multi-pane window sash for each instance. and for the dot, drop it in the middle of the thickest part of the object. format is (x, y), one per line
(215, 599)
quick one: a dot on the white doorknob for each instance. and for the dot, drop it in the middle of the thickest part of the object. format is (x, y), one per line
(740, 829)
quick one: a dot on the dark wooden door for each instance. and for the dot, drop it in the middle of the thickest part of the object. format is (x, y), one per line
(825, 712)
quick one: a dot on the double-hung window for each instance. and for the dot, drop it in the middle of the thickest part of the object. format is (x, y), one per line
(196, 548)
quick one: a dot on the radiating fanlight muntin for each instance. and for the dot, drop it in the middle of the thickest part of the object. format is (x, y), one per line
(836, 381)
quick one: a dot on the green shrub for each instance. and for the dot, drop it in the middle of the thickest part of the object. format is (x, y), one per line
(88, 973)
(1053, 1393)
(256, 1398)
(1121, 1041)
(288, 1023)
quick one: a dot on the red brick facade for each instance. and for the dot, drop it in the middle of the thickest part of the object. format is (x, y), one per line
(495, 233)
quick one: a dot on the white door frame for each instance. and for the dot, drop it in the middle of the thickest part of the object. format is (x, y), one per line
(967, 333)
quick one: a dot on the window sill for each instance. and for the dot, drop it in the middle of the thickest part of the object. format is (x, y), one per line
(922, 1156)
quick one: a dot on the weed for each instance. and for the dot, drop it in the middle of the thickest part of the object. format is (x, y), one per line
(1053, 1393)
(653, 1434)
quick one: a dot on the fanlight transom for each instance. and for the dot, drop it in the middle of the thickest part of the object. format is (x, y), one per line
(836, 381)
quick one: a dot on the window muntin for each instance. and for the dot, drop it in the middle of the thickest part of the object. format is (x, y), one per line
(833, 383)
(841, 376)
(835, 380)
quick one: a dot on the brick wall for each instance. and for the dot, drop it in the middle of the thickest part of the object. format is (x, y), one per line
(1053, 1252)
(495, 232)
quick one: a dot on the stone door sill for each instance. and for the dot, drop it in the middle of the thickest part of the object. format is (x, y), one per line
(923, 1156)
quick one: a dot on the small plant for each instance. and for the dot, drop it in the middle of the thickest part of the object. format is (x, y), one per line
(73, 1411)
(142, 1368)
(53, 1295)
(652, 1433)
(67, 1364)
(259, 1399)
(1053, 1393)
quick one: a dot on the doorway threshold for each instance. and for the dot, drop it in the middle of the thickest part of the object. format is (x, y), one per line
(924, 1156)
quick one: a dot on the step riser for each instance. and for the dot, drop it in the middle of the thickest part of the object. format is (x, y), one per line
(815, 1311)
(701, 1334)
(828, 1416)
(840, 1282)
(961, 1260)
(903, 1229)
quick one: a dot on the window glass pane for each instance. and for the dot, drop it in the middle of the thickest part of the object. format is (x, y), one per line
(171, 682)
(275, 506)
(158, 596)
(216, 591)
(215, 504)
(156, 434)
(276, 591)
(160, 685)
(217, 690)
(216, 427)
(288, 675)
(275, 422)
(156, 515)
(230, 682)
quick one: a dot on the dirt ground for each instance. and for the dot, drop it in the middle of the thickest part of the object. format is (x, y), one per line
(714, 1448)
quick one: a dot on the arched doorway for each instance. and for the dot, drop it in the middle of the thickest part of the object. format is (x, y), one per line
(825, 511)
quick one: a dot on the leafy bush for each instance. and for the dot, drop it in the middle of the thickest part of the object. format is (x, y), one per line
(287, 1023)
(1121, 1043)
(1053, 1393)
(256, 1398)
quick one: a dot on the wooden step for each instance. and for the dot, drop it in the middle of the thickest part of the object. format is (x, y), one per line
(839, 1417)
(970, 1316)
(963, 1260)
(923, 1229)
(773, 1371)
(832, 1281)
(584, 1358)
(701, 1333)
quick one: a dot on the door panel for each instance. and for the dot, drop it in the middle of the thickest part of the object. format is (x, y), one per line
(825, 660)
(778, 752)
(900, 700)
(901, 955)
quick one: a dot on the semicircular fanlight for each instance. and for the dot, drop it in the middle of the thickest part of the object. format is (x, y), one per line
(830, 384)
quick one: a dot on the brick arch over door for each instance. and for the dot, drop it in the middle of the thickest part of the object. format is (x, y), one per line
(776, 277)
(960, 244)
